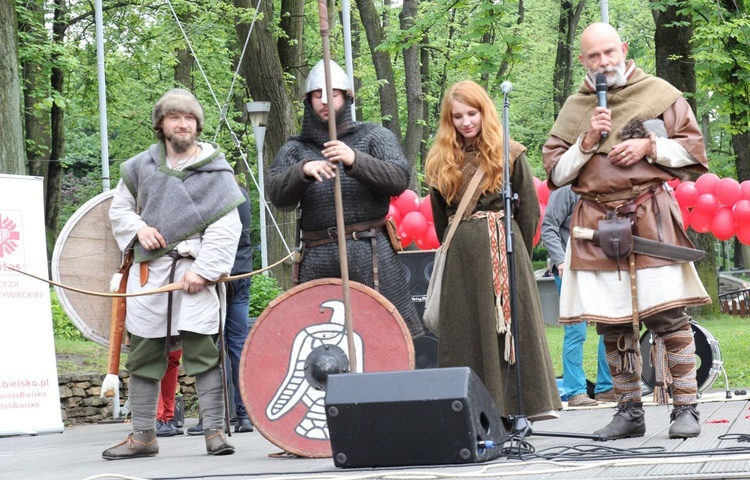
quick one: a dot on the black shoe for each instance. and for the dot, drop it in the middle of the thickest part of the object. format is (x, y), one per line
(165, 429)
(177, 429)
(628, 421)
(243, 425)
(197, 429)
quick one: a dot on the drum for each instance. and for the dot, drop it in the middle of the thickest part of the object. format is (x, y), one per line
(707, 358)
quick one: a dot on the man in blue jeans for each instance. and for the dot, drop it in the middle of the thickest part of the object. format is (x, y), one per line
(555, 234)
(238, 310)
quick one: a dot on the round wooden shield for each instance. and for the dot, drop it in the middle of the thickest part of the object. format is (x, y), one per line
(297, 340)
(86, 256)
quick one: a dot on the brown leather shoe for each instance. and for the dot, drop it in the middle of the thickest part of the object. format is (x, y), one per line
(216, 444)
(608, 396)
(582, 400)
(138, 444)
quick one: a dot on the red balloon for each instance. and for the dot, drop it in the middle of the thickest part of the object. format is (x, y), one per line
(728, 191)
(407, 202)
(707, 204)
(536, 182)
(741, 211)
(745, 187)
(674, 183)
(405, 239)
(542, 191)
(414, 224)
(700, 222)
(685, 218)
(722, 225)
(743, 233)
(431, 238)
(706, 183)
(425, 208)
(686, 194)
(394, 214)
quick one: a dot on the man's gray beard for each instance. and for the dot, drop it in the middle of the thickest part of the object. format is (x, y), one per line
(618, 80)
(179, 145)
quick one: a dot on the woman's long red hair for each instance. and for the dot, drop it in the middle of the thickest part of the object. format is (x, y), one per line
(443, 165)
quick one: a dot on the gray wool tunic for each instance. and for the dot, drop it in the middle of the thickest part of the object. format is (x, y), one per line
(468, 335)
(379, 172)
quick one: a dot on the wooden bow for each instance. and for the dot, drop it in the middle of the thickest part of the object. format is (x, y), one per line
(166, 288)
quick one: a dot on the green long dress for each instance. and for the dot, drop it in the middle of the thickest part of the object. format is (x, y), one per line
(468, 334)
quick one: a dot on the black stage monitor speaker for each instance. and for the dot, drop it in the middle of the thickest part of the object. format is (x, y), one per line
(415, 417)
(417, 267)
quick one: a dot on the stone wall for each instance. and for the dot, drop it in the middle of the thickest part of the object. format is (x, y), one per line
(80, 400)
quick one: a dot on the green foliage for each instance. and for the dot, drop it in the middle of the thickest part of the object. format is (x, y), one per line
(62, 326)
(263, 289)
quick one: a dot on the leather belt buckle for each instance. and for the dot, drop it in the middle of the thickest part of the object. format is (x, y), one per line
(332, 232)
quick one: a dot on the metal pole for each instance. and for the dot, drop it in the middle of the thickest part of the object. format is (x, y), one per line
(260, 135)
(346, 21)
(605, 11)
(103, 136)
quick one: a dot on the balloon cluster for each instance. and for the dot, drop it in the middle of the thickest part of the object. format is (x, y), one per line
(414, 221)
(720, 206)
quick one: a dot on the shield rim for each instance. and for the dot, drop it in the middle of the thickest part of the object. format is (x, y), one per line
(60, 244)
(267, 311)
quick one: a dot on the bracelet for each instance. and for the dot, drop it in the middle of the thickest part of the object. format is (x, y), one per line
(580, 145)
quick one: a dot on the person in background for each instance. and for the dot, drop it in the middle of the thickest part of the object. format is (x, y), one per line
(372, 167)
(165, 424)
(475, 317)
(621, 184)
(555, 235)
(176, 207)
(236, 324)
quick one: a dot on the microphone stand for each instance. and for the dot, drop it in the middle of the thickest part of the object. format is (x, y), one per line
(521, 425)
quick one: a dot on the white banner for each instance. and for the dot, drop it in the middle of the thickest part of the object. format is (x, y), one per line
(29, 395)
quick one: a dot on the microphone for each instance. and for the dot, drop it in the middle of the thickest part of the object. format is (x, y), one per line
(506, 87)
(601, 94)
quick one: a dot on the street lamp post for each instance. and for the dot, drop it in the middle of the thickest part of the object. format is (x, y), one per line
(258, 112)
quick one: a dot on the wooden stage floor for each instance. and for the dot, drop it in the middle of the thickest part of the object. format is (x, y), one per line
(75, 454)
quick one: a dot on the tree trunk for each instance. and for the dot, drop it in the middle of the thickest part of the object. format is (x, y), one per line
(57, 117)
(426, 93)
(673, 63)
(562, 77)
(263, 70)
(36, 81)
(11, 135)
(292, 47)
(413, 75)
(383, 66)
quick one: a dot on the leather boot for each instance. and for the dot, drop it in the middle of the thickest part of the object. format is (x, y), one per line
(684, 422)
(216, 443)
(628, 421)
(138, 444)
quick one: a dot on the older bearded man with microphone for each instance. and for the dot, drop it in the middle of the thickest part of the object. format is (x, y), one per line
(624, 200)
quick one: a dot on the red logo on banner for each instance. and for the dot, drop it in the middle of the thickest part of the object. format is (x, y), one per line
(9, 236)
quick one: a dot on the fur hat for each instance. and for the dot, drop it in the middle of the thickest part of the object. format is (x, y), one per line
(177, 100)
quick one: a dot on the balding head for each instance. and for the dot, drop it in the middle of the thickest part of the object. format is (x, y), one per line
(602, 51)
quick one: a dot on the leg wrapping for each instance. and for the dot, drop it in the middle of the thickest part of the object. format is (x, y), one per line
(624, 362)
(679, 349)
(144, 397)
(211, 398)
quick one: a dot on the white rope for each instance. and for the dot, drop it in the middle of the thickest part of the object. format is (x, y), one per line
(222, 112)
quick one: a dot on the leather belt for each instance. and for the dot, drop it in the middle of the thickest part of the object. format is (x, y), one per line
(355, 235)
(355, 231)
(629, 194)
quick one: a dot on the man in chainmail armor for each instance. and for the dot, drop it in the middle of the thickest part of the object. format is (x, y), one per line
(373, 169)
